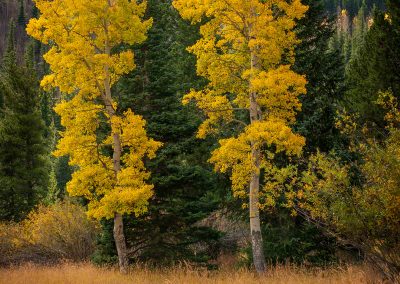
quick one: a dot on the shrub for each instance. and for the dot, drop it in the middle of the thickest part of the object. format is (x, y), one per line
(54, 232)
(360, 200)
(63, 230)
(8, 241)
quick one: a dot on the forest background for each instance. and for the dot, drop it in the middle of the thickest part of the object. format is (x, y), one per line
(349, 53)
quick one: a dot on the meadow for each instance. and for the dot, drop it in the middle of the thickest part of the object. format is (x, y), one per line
(85, 273)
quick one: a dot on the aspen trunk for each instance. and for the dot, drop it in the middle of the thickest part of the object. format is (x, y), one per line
(120, 243)
(118, 231)
(255, 224)
(254, 212)
(119, 236)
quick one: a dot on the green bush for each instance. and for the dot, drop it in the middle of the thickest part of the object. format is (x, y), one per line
(291, 240)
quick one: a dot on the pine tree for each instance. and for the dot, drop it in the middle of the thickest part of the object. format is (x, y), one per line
(374, 67)
(185, 189)
(323, 66)
(10, 56)
(352, 6)
(24, 163)
(360, 28)
(21, 16)
(61, 172)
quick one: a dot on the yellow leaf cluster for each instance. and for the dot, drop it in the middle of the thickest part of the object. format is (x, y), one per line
(81, 33)
(95, 178)
(278, 91)
(235, 29)
(390, 103)
(235, 153)
(217, 106)
(233, 34)
(83, 36)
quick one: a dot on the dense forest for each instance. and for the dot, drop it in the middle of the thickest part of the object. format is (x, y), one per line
(168, 131)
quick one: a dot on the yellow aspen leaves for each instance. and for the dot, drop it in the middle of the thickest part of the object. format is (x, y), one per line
(80, 32)
(82, 36)
(247, 49)
(234, 153)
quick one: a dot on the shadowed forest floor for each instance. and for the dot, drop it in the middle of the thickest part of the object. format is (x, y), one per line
(86, 273)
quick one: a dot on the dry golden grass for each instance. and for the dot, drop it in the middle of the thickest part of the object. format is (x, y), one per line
(89, 274)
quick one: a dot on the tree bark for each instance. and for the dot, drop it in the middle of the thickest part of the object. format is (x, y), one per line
(119, 236)
(255, 224)
(120, 243)
(118, 232)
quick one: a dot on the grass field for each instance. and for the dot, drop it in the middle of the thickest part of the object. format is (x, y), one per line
(86, 273)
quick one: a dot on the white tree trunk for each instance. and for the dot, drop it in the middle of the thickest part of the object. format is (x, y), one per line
(120, 243)
(118, 232)
(255, 224)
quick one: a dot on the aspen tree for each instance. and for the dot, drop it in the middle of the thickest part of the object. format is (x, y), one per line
(246, 52)
(85, 64)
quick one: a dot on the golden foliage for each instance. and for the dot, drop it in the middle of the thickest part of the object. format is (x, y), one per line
(57, 231)
(95, 178)
(234, 153)
(241, 52)
(61, 229)
(82, 35)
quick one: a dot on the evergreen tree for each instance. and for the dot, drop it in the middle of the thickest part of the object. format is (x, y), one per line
(21, 15)
(352, 6)
(343, 35)
(10, 55)
(23, 151)
(360, 28)
(375, 67)
(9, 58)
(324, 69)
(186, 190)
(61, 172)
